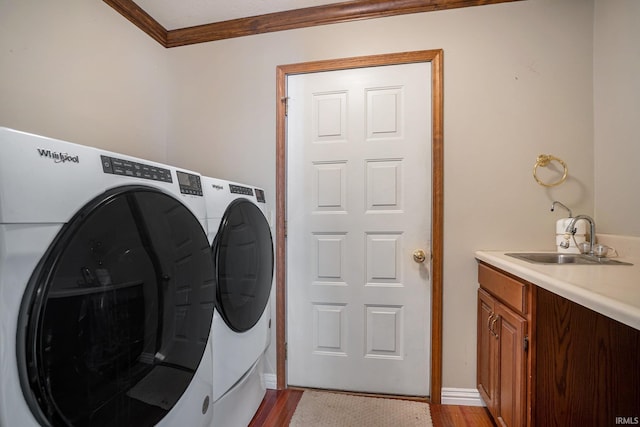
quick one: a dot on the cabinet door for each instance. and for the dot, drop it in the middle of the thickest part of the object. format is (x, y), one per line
(487, 369)
(511, 330)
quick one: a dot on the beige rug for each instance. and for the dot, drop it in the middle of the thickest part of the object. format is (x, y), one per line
(340, 410)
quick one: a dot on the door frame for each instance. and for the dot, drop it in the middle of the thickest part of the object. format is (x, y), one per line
(435, 57)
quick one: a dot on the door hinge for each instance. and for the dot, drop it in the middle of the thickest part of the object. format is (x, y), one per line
(286, 224)
(525, 344)
(285, 100)
(286, 351)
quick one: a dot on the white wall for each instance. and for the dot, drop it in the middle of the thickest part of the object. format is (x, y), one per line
(617, 113)
(77, 70)
(518, 83)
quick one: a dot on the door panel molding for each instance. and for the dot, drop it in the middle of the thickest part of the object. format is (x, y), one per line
(435, 57)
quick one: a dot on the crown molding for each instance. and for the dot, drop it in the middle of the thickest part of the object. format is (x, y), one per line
(287, 20)
(141, 19)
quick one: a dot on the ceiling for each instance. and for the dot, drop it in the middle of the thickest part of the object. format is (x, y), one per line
(172, 14)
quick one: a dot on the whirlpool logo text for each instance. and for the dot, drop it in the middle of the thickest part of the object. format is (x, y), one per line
(58, 157)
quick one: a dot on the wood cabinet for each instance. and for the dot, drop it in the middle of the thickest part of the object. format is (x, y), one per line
(503, 343)
(487, 370)
(546, 361)
(587, 366)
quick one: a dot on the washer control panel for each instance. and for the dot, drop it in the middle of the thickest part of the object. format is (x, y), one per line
(238, 189)
(117, 166)
(189, 183)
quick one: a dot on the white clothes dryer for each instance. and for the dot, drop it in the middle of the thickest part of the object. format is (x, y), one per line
(106, 290)
(242, 249)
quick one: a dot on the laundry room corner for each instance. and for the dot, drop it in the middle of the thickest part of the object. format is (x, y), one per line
(76, 71)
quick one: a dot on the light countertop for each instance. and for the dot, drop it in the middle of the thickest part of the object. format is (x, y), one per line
(611, 290)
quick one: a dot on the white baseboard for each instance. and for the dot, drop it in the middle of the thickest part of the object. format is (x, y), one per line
(448, 396)
(461, 396)
(270, 381)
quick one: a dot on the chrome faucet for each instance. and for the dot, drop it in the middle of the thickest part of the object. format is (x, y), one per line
(592, 229)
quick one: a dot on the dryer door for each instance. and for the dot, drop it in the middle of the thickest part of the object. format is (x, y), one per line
(118, 312)
(243, 256)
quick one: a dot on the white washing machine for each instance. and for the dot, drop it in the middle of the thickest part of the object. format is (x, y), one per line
(106, 289)
(242, 249)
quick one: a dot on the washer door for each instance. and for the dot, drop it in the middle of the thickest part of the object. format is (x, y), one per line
(117, 314)
(243, 257)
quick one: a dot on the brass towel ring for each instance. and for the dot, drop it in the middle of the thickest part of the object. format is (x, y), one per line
(544, 160)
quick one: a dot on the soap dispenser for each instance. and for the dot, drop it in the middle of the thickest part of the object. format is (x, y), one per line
(563, 237)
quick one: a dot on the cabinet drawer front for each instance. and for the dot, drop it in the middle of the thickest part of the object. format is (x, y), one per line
(508, 290)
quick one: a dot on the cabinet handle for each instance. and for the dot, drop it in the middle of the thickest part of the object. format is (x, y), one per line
(493, 324)
(489, 322)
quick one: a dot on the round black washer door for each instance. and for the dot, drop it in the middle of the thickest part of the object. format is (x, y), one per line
(117, 314)
(243, 257)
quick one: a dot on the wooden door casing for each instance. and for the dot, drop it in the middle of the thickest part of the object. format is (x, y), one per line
(435, 58)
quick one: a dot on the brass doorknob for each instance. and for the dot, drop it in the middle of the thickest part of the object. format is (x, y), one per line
(419, 256)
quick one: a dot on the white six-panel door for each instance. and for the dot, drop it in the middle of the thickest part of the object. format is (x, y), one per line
(358, 206)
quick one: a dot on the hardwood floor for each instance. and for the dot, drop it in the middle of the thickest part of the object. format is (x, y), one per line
(277, 409)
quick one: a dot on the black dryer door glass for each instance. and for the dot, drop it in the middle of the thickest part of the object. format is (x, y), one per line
(243, 256)
(117, 313)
